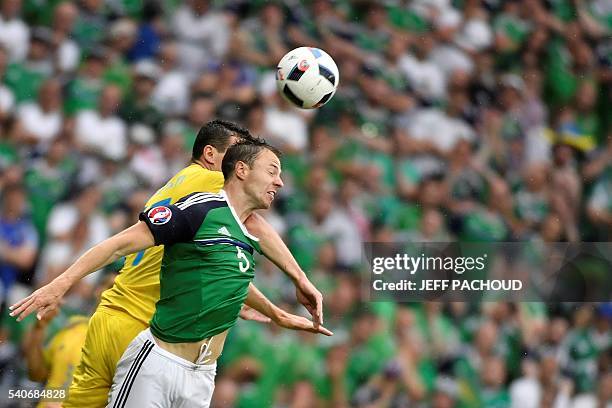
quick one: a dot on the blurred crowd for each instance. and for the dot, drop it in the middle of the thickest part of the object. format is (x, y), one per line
(470, 120)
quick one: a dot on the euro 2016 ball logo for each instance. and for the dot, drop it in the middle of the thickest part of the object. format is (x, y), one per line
(303, 65)
(159, 215)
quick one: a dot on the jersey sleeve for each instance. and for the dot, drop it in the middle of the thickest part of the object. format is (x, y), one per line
(179, 222)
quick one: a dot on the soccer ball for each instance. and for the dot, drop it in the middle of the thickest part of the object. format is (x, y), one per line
(307, 77)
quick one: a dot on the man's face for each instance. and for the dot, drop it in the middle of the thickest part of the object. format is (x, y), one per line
(110, 99)
(14, 202)
(263, 179)
(201, 111)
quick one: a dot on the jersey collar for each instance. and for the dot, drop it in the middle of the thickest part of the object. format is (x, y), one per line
(223, 194)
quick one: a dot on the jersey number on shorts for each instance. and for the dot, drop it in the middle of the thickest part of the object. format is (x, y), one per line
(244, 263)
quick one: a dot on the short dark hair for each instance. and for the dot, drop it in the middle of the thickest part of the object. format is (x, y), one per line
(245, 151)
(217, 133)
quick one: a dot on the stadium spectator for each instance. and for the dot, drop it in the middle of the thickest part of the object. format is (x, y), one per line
(67, 52)
(226, 392)
(38, 123)
(201, 111)
(18, 238)
(231, 84)
(151, 30)
(48, 181)
(261, 40)
(84, 89)
(175, 156)
(25, 76)
(90, 25)
(73, 226)
(102, 131)
(138, 107)
(147, 162)
(202, 35)
(7, 98)
(171, 93)
(120, 38)
(14, 32)
(424, 76)
(284, 126)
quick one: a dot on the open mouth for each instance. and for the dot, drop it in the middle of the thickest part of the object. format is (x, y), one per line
(272, 194)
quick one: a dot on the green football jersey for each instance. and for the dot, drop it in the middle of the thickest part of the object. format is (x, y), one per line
(206, 269)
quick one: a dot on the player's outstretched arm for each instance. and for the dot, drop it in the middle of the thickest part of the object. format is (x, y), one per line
(132, 239)
(262, 304)
(275, 250)
(33, 345)
(248, 313)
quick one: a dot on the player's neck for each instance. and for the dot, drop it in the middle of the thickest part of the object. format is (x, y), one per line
(239, 200)
(204, 164)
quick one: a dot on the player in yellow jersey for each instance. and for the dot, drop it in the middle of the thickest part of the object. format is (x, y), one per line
(127, 307)
(54, 363)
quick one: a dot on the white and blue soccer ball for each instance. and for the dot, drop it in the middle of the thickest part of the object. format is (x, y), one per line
(307, 77)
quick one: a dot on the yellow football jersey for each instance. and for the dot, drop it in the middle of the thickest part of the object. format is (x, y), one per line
(63, 353)
(136, 289)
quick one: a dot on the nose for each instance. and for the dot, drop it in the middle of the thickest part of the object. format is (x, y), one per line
(278, 182)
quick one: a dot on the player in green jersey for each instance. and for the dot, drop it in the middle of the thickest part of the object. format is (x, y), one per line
(206, 276)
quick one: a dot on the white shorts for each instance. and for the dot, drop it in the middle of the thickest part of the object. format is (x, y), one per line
(149, 376)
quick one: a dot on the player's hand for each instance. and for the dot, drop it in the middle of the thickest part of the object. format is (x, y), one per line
(43, 300)
(46, 319)
(248, 313)
(294, 322)
(311, 298)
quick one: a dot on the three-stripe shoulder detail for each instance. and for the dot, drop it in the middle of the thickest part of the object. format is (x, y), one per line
(199, 198)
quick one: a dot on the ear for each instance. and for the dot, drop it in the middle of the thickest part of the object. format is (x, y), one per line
(208, 154)
(241, 170)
